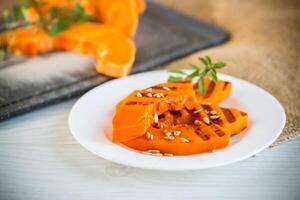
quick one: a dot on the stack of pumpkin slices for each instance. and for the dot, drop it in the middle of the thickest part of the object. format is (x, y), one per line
(174, 119)
(109, 40)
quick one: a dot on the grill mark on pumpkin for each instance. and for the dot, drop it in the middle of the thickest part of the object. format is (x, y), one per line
(225, 85)
(218, 121)
(202, 135)
(206, 107)
(218, 131)
(161, 88)
(228, 115)
(210, 89)
(130, 103)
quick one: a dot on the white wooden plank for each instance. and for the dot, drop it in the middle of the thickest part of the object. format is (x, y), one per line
(39, 159)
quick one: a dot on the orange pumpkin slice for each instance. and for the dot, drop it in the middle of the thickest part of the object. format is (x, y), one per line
(114, 51)
(141, 6)
(122, 14)
(215, 92)
(28, 41)
(145, 104)
(229, 118)
(206, 122)
(192, 140)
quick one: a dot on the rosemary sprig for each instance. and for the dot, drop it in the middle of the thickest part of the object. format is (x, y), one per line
(208, 70)
(55, 21)
(58, 20)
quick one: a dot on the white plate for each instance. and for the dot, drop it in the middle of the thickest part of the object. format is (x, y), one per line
(90, 124)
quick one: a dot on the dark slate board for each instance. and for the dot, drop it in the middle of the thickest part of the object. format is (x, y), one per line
(163, 35)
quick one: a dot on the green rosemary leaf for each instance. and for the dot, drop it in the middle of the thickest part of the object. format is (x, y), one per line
(208, 61)
(78, 14)
(177, 71)
(213, 75)
(19, 12)
(59, 25)
(208, 70)
(219, 65)
(201, 87)
(174, 79)
(193, 74)
(52, 14)
(194, 67)
(204, 61)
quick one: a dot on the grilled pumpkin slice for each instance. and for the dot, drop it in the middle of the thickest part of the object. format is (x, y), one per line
(192, 140)
(28, 41)
(215, 92)
(114, 51)
(197, 134)
(122, 14)
(229, 118)
(141, 6)
(145, 104)
(157, 99)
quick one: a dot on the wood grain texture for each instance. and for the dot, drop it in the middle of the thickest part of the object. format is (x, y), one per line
(39, 159)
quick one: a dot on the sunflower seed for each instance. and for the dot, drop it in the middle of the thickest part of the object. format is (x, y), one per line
(197, 111)
(155, 118)
(149, 95)
(214, 117)
(213, 112)
(156, 154)
(146, 153)
(139, 94)
(184, 140)
(166, 88)
(153, 151)
(206, 120)
(169, 137)
(168, 134)
(149, 136)
(168, 154)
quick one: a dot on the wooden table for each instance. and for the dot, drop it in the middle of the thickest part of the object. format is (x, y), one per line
(39, 159)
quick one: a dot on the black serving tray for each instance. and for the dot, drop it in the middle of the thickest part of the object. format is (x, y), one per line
(163, 35)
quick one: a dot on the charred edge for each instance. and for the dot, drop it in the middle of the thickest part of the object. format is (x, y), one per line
(244, 128)
(210, 89)
(161, 88)
(243, 113)
(131, 103)
(218, 121)
(206, 107)
(225, 85)
(175, 113)
(228, 115)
